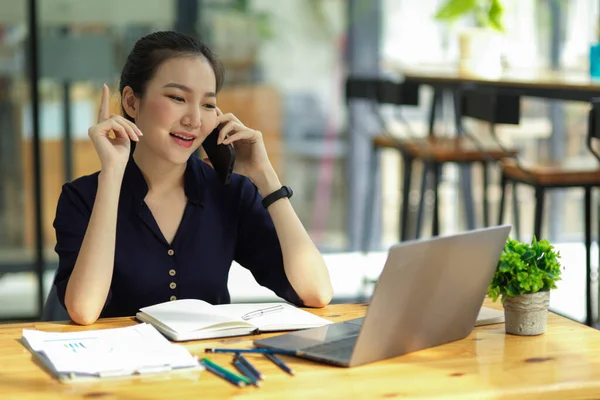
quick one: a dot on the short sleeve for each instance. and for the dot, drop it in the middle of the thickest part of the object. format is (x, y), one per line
(73, 213)
(258, 248)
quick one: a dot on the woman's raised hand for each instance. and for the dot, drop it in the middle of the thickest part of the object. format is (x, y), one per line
(113, 151)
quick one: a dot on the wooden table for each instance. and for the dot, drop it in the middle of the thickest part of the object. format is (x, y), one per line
(564, 363)
(563, 85)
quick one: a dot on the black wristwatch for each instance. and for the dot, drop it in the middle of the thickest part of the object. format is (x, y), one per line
(285, 191)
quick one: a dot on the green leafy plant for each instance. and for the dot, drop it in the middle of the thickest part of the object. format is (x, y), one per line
(525, 268)
(487, 13)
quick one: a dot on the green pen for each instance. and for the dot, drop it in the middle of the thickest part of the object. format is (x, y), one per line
(226, 374)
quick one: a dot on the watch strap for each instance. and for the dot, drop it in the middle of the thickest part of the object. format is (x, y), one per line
(284, 192)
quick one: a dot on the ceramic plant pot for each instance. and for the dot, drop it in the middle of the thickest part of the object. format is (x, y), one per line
(526, 314)
(480, 52)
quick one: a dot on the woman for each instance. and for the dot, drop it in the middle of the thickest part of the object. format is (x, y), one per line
(156, 223)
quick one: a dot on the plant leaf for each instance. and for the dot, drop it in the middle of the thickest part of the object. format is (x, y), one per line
(525, 268)
(453, 9)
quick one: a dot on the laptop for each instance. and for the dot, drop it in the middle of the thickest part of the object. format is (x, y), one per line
(429, 293)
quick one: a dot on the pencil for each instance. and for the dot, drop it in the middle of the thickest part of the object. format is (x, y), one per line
(250, 367)
(279, 363)
(255, 350)
(229, 376)
(244, 370)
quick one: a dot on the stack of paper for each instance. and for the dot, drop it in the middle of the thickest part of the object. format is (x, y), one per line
(138, 349)
(489, 316)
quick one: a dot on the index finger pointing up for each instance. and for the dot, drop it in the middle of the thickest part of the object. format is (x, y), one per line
(103, 112)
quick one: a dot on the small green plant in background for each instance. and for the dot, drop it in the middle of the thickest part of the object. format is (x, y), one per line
(525, 268)
(487, 13)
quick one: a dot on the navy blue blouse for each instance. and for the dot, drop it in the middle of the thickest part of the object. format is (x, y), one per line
(220, 224)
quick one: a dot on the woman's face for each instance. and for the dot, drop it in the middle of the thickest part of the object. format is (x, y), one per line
(178, 110)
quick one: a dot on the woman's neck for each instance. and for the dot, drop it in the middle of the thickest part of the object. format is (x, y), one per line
(161, 175)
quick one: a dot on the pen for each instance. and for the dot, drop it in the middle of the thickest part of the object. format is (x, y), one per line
(279, 363)
(255, 350)
(261, 312)
(250, 367)
(244, 370)
(225, 374)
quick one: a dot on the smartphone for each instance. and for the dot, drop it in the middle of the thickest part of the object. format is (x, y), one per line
(221, 156)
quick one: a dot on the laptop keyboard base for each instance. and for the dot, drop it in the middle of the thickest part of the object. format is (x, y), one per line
(338, 350)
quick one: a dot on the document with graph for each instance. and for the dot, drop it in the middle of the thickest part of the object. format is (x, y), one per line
(134, 350)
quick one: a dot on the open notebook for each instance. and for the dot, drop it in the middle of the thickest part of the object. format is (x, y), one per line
(191, 319)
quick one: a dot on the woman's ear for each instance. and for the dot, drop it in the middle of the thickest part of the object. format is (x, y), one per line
(130, 102)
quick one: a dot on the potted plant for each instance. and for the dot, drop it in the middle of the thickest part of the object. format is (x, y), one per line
(480, 48)
(524, 276)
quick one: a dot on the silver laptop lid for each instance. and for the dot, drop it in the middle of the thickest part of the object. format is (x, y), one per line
(429, 293)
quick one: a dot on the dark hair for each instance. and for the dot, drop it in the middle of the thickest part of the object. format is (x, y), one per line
(150, 51)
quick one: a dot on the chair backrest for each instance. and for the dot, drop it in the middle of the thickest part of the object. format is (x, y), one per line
(397, 93)
(361, 88)
(53, 309)
(490, 106)
(593, 136)
(382, 90)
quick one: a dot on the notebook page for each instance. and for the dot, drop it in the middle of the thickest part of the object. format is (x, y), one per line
(189, 315)
(288, 318)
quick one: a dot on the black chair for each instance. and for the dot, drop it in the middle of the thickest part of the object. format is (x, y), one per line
(544, 177)
(435, 151)
(467, 148)
(379, 91)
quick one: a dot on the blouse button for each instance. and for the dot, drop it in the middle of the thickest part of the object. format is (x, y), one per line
(173, 298)
(171, 252)
(172, 272)
(172, 285)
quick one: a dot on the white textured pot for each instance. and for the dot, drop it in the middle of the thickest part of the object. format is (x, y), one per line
(480, 52)
(527, 314)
